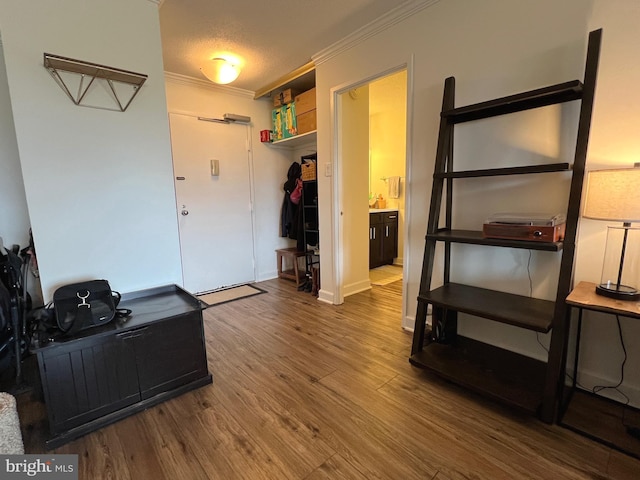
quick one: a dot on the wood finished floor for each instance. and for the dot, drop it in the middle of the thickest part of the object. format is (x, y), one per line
(304, 390)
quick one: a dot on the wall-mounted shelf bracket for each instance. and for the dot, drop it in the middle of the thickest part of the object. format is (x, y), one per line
(89, 72)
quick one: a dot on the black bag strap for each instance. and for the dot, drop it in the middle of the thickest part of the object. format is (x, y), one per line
(120, 312)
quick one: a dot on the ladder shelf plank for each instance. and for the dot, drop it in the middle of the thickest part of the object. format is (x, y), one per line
(560, 93)
(475, 238)
(499, 374)
(525, 312)
(493, 172)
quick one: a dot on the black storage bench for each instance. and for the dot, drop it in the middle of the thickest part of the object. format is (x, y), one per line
(107, 373)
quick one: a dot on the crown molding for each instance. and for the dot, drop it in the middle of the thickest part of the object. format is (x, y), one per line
(398, 14)
(196, 82)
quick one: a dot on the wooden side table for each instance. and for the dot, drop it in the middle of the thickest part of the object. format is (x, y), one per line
(292, 255)
(607, 421)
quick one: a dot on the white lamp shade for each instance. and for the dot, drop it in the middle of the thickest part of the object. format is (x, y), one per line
(613, 195)
(220, 70)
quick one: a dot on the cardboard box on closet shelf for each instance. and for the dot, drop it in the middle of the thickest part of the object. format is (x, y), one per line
(306, 101)
(306, 122)
(289, 121)
(277, 125)
(285, 96)
(283, 122)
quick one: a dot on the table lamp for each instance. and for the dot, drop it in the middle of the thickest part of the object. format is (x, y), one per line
(614, 195)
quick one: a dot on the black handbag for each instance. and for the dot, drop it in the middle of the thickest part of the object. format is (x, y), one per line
(83, 305)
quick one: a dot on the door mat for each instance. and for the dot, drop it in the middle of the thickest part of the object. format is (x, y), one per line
(385, 274)
(231, 294)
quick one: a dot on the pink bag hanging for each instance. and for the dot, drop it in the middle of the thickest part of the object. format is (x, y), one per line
(297, 192)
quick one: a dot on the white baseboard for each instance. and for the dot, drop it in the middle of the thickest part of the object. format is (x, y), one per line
(263, 276)
(357, 287)
(325, 297)
(409, 322)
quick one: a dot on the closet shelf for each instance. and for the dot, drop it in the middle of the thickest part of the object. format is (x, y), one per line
(562, 92)
(295, 141)
(475, 238)
(525, 312)
(492, 172)
(56, 64)
(499, 374)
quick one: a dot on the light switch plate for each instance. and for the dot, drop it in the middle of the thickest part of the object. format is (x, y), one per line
(327, 169)
(215, 168)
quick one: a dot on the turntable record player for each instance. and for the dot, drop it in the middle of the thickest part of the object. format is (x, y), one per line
(538, 227)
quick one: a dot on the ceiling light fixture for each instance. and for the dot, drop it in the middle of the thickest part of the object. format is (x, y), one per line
(220, 70)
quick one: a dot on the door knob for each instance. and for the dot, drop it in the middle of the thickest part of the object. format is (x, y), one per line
(184, 212)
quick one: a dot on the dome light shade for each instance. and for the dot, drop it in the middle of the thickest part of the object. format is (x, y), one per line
(614, 196)
(220, 70)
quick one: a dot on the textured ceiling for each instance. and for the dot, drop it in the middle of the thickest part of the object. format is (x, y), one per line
(271, 37)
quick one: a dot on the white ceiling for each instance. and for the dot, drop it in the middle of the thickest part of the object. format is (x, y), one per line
(272, 37)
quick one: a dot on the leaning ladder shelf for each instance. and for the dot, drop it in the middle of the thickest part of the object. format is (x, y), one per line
(497, 373)
(56, 64)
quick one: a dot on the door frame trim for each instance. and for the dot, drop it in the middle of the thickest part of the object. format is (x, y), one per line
(337, 184)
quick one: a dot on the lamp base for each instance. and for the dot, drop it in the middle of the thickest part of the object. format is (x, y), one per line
(619, 292)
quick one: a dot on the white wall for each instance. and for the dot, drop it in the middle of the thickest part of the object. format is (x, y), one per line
(14, 220)
(270, 163)
(14, 214)
(98, 183)
(517, 46)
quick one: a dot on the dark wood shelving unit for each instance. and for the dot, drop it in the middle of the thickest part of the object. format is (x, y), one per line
(310, 215)
(475, 237)
(498, 373)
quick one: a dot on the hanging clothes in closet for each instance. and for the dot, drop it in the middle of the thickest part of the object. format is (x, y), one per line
(290, 215)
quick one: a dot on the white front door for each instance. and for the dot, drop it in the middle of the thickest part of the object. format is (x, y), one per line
(214, 211)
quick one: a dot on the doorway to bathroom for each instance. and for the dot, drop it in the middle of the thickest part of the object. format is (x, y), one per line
(371, 143)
